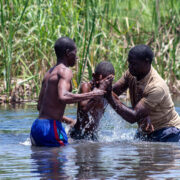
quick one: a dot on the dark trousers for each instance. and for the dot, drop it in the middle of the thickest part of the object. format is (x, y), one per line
(167, 134)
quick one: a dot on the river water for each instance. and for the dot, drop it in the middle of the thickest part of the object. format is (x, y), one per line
(115, 156)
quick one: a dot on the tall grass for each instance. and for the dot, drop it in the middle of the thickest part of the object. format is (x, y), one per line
(7, 39)
(102, 30)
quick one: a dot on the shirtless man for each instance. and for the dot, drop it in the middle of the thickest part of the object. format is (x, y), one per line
(89, 112)
(55, 93)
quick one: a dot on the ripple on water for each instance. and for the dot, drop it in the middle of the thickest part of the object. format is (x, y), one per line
(115, 156)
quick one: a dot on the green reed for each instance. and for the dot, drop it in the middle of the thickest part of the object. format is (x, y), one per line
(102, 30)
(7, 39)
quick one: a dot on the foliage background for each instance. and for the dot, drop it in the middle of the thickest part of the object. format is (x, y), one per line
(102, 30)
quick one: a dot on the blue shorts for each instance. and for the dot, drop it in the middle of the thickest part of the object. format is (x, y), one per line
(167, 134)
(45, 132)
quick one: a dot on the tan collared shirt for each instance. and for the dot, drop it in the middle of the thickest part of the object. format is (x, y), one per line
(153, 92)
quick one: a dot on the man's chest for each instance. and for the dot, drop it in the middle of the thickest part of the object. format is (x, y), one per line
(140, 90)
(137, 91)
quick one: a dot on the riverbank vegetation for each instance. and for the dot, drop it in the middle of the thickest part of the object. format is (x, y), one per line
(102, 30)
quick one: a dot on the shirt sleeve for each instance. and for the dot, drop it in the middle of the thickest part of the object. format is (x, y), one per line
(153, 97)
(122, 84)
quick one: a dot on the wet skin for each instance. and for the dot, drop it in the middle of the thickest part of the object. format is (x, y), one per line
(139, 113)
(89, 112)
(56, 90)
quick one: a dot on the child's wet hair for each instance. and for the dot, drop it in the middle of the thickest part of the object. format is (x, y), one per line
(104, 68)
(62, 44)
(141, 52)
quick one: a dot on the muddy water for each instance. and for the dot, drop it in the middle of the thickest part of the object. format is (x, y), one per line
(115, 156)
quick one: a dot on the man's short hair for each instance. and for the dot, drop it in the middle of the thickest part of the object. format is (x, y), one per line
(141, 52)
(104, 68)
(62, 44)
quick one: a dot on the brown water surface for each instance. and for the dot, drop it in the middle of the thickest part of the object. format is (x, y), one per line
(115, 156)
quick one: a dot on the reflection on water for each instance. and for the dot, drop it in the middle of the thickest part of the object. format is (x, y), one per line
(88, 161)
(48, 162)
(117, 160)
(115, 156)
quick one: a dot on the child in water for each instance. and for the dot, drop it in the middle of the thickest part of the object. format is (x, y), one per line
(89, 112)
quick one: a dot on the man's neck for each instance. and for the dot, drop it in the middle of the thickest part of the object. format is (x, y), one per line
(62, 61)
(143, 75)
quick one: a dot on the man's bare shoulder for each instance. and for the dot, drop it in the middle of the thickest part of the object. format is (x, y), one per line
(46, 76)
(64, 72)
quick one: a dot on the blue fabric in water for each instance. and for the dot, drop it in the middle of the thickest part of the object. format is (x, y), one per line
(45, 132)
(167, 134)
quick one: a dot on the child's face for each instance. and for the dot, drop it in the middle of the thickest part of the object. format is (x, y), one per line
(97, 78)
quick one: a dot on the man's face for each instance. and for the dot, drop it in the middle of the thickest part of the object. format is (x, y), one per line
(72, 58)
(137, 67)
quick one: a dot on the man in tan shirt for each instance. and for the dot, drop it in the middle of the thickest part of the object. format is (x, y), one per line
(152, 105)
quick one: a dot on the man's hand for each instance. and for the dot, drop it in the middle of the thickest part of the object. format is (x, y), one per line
(145, 125)
(69, 121)
(106, 83)
(73, 122)
(98, 92)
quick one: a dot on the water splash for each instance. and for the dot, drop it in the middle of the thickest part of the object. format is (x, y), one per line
(67, 128)
(27, 142)
(113, 128)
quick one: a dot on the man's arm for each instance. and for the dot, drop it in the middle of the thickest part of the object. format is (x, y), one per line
(130, 115)
(66, 97)
(139, 114)
(122, 84)
(86, 87)
(87, 104)
(69, 121)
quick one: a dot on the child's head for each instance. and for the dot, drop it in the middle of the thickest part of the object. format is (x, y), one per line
(102, 70)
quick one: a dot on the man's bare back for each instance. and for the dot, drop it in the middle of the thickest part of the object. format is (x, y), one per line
(50, 105)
